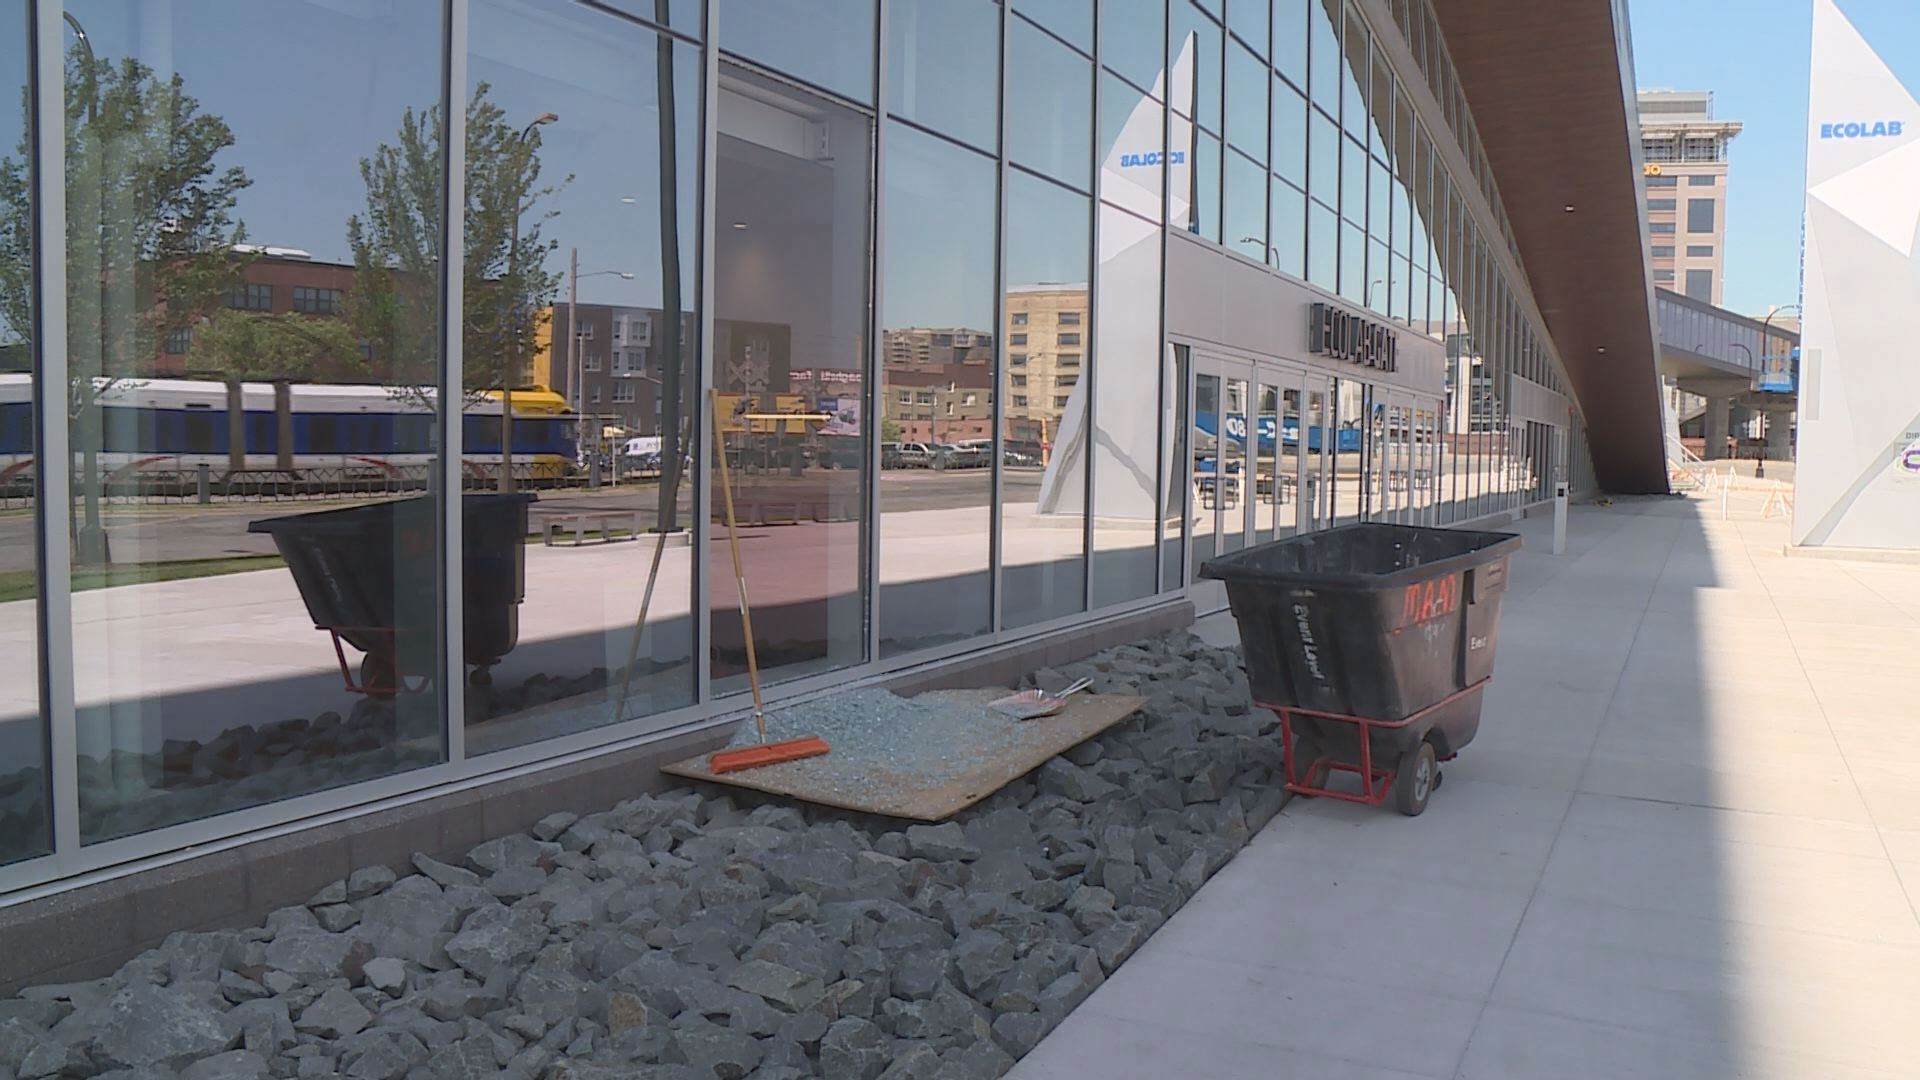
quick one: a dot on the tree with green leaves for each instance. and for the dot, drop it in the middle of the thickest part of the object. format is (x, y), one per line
(150, 233)
(254, 345)
(505, 285)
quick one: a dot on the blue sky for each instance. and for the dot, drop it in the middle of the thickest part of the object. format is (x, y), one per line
(1753, 54)
(310, 88)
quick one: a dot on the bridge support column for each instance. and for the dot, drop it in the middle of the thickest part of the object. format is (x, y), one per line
(1779, 435)
(1719, 413)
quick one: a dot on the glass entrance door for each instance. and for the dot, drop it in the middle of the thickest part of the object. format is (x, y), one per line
(1264, 441)
(1318, 435)
(1223, 445)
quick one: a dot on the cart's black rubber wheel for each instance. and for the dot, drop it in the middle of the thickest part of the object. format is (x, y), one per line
(1305, 751)
(1415, 780)
(377, 675)
(481, 677)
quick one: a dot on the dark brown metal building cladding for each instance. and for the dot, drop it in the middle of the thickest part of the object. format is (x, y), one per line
(1550, 83)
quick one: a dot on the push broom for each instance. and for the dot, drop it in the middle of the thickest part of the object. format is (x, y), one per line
(767, 753)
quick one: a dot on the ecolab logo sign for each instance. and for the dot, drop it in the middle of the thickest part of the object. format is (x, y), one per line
(1878, 129)
(1141, 161)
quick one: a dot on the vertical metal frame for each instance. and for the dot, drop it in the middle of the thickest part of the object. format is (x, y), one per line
(452, 390)
(875, 360)
(48, 170)
(1094, 361)
(996, 550)
(700, 607)
(1161, 355)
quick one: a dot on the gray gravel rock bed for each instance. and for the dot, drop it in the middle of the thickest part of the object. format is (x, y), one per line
(696, 935)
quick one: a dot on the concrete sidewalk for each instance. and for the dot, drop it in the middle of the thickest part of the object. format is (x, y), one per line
(1686, 844)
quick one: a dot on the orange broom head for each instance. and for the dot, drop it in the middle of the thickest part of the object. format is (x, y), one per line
(752, 757)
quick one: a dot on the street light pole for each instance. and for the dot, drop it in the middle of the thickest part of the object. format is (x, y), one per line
(513, 282)
(576, 360)
(1766, 352)
(576, 370)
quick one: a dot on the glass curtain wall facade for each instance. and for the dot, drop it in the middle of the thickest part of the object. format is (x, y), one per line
(319, 493)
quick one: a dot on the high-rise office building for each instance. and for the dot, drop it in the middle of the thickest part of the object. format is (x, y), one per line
(1685, 150)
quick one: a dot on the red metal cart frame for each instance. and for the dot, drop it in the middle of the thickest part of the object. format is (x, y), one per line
(1375, 784)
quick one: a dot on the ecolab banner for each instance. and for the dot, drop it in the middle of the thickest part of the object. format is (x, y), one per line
(1857, 481)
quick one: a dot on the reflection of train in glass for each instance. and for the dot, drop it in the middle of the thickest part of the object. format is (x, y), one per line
(1347, 442)
(176, 425)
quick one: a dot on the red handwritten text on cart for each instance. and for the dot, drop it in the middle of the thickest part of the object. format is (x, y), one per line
(1430, 599)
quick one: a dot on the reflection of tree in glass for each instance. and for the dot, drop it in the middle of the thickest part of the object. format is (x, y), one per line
(251, 344)
(149, 234)
(150, 226)
(396, 250)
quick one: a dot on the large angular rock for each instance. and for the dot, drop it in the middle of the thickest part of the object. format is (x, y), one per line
(799, 947)
(336, 1013)
(783, 986)
(495, 938)
(232, 1065)
(387, 975)
(945, 842)
(664, 984)
(1004, 871)
(476, 1057)
(266, 1026)
(553, 825)
(948, 1018)
(918, 974)
(1117, 941)
(977, 1061)
(443, 874)
(317, 954)
(369, 881)
(551, 989)
(142, 1025)
(715, 1051)
(1018, 1033)
(407, 925)
(201, 957)
(979, 957)
(854, 1049)
(383, 1053)
(514, 849)
(515, 882)
(1069, 781)
(914, 1063)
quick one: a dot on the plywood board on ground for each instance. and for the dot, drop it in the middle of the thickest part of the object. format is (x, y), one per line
(913, 771)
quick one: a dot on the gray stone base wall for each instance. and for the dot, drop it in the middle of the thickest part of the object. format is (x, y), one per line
(89, 930)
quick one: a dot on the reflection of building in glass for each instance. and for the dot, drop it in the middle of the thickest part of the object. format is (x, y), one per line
(1046, 357)
(939, 384)
(276, 281)
(617, 361)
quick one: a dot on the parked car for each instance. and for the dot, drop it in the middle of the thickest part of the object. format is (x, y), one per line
(843, 452)
(952, 456)
(906, 455)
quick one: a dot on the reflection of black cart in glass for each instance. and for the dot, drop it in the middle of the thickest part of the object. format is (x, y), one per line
(1373, 643)
(368, 577)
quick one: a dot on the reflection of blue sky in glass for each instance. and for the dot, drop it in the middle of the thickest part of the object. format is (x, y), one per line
(938, 256)
(309, 88)
(599, 74)
(1048, 232)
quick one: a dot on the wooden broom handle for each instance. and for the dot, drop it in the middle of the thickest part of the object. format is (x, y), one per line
(739, 575)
